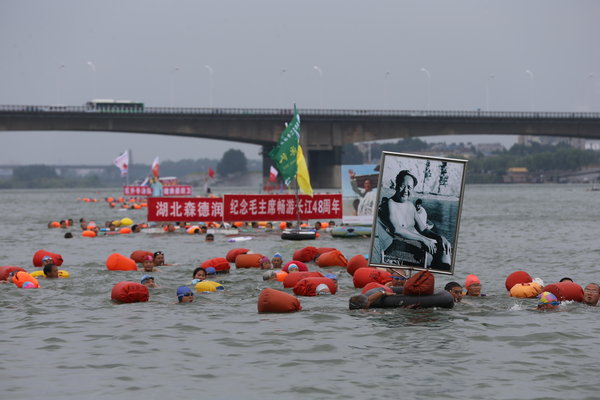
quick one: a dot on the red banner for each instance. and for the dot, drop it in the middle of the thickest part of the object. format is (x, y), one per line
(174, 190)
(245, 207)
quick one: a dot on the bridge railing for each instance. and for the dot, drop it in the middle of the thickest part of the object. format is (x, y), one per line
(346, 113)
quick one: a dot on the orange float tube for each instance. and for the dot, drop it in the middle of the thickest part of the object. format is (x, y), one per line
(248, 260)
(333, 258)
(362, 276)
(356, 262)
(25, 281)
(565, 291)
(373, 285)
(305, 254)
(55, 224)
(7, 269)
(119, 262)
(525, 290)
(88, 233)
(301, 266)
(233, 253)
(125, 231)
(37, 258)
(295, 277)
(517, 277)
(282, 225)
(220, 264)
(322, 250)
(129, 292)
(139, 255)
(308, 286)
(276, 301)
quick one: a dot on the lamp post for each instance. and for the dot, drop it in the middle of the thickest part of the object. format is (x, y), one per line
(531, 102)
(423, 69)
(316, 68)
(60, 67)
(93, 67)
(175, 69)
(487, 92)
(210, 85)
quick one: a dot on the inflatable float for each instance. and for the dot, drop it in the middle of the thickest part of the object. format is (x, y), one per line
(299, 234)
(351, 231)
(276, 301)
(441, 299)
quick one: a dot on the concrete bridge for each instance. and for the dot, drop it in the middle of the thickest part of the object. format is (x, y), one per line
(323, 131)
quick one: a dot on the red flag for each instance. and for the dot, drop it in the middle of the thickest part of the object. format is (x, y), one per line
(211, 173)
(155, 167)
(273, 174)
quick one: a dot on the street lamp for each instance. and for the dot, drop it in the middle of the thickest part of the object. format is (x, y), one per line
(210, 84)
(173, 84)
(60, 67)
(316, 68)
(487, 92)
(93, 67)
(423, 69)
(531, 103)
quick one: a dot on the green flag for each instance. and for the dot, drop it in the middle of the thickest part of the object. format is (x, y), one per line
(284, 155)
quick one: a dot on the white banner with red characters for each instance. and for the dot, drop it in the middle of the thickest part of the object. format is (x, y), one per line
(245, 207)
(174, 190)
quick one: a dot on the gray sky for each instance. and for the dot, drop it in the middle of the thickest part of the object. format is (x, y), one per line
(263, 53)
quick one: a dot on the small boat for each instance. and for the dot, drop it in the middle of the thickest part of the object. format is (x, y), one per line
(298, 234)
(350, 231)
(223, 231)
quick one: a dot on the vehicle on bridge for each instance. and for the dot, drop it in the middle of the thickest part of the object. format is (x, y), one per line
(109, 105)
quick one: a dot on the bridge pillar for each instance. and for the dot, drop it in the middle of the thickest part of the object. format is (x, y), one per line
(324, 168)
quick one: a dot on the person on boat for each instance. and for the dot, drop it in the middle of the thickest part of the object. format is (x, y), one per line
(50, 271)
(148, 264)
(547, 301)
(398, 217)
(473, 286)
(265, 263)
(591, 294)
(157, 187)
(148, 281)
(455, 290)
(368, 196)
(185, 294)
(277, 261)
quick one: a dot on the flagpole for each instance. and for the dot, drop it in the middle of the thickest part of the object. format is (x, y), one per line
(129, 166)
(297, 202)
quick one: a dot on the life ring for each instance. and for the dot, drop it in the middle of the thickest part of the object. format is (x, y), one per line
(61, 273)
(129, 292)
(248, 260)
(565, 291)
(356, 262)
(301, 266)
(295, 277)
(25, 281)
(298, 234)
(233, 253)
(5, 270)
(276, 301)
(305, 254)
(119, 262)
(308, 286)
(139, 255)
(37, 258)
(333, 258)
(525, 290)
(220, 264)
(362, 276)
(351, 231)
(208, 287)
(517, 277)
(442, 299)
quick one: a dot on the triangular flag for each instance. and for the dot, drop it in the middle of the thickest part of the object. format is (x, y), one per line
(273, 174)
(155, 171)
(123, 162)
(303, 178)
(284, 154)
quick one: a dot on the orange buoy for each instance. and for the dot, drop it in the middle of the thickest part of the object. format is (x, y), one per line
(125, 231)
(281, 275)
(119, 262)
(527, 290)
(565, 291)
(324, 225)
(308, 286)
(301, 266)
(305, 254)
(333, 258)
(7, 269)
(88, 233)
(220, 264)
(237, 224)
(517, 277)
(25, 281)
(295, 277)
(55, 224)
(322, 250)
(373, 285)
(356, 262)
(362, 276)
(248, 260)
(129, 292)
(139, 255)
(233, 253)
(276, 301)
(37, 258)
(282, 225)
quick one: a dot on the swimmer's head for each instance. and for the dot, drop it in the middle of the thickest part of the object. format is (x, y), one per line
(185, 294)
(358, 302)
(547, 300)
(211, 271)
(146, 278)
(331, 276)
(322, 289)
(293, 268)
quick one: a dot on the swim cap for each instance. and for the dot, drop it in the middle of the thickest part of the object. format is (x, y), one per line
(548, 298)
(148, 258)
(47, 258)
(183, 291)
(211, 271)
(263, 260)
(321, 289)
(471, 279)
(28, 285)
(277, 255)
(358, 302)
(146, 277)
(294, 266)
(331, 276)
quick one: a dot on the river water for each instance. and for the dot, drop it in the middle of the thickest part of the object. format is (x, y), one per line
(68, 341)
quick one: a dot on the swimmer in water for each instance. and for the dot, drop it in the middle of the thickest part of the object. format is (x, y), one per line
(47, 260)
(199, 273)
(277, 261)
(547, 301)
(455, 290)
(148, 264)
(265, 263)
(473, 286)
(148, 281)
(185, 294)
(159, 259)
(51, 271)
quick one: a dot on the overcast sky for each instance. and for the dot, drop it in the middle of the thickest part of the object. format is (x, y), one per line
(446, 55)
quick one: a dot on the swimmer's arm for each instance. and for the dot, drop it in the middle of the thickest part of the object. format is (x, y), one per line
(374, 297)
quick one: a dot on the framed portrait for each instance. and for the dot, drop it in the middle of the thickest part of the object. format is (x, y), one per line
(359, 193)
(419, 203)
